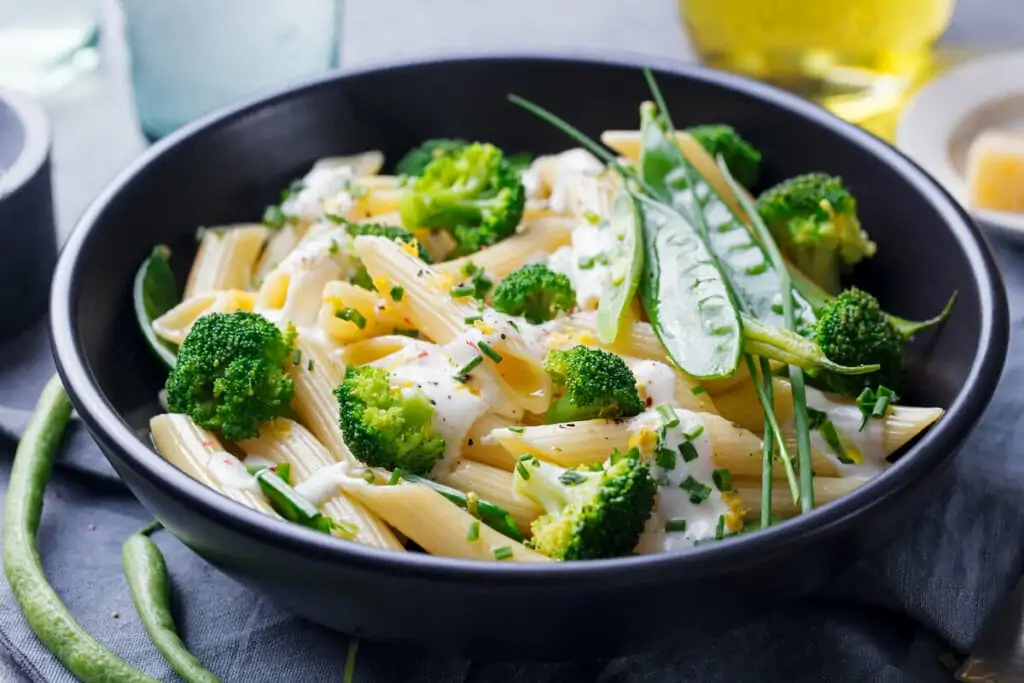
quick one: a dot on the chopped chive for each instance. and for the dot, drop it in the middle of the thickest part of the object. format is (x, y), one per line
(310, 365)
(688, 452)
(875, 403)
(591, 217)
(463, 374)
(396, 477)
(489, 351)
(668, 415)
(595, 467)
(334, 248)
(462, 290)
(397, 293)
(474, 531)
(369, 477)
(698, 491)
(273, 217)
(503, 553)
(344, 528)
(523, 472)
(571, 478)
(720, 528)
(353, 316)
(297, 357)
(469, 268)
(694, 433)
(675, 525)
(666, 459)
(696, 391)
(816, 418)
(831, 436)
(517, 430)
(722, 479)
(588, 263)
(407, 332)
(473, 503)
(284, 470)
(473, 319)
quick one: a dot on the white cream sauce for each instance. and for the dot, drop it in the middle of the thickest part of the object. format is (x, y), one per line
(846, 417)
(673, 502)
(430, 370)
(324, 255)
(326, 483)
(592, 245)
(569, 167)
(322, 182)
(655, 381)
(230, 472)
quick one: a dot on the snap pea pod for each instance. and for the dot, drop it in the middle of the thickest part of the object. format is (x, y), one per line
(490, 514)
(627, 262)
(153, 294)
(685, 295)
(675, 181)
(146, 572)
(82, 654)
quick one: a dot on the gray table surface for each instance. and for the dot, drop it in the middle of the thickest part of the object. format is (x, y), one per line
(96, 136)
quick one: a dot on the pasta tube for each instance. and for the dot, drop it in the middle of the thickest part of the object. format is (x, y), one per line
(199, 454)
(494, 485)
(538, 239)
(289, 442)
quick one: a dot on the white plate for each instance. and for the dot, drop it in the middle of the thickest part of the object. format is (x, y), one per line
(938, 125)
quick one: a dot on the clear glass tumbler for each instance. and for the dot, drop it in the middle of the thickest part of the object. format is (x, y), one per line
(190, 57)
(44, 44)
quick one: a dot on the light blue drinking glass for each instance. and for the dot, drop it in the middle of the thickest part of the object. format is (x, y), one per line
(190, 57)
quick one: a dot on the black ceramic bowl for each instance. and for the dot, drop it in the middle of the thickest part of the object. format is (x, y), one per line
(228, 167)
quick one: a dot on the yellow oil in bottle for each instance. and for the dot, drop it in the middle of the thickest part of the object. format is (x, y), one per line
(856, 57)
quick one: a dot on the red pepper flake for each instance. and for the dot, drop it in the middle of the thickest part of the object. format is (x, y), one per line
(472, 345)
(648, 402)
(407, 321)
(227, 461)
(423, 354)
(207, 442)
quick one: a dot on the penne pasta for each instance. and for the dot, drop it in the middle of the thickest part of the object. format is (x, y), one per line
(437, 525)
(226, 259)
(315, 376)
(582, 443)
(350, 313)
(429, 306)
(481, 448)
(281, 243)
(289, 442)
(537, 239)
(826, 490)
(494, 485)
(199, 454)
(175, 324)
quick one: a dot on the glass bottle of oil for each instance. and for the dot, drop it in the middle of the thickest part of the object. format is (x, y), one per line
(856, 57)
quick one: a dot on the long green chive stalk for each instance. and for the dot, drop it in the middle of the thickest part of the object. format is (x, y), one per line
(579, 136)
(796, 375)
(762, 384)
(766, 451)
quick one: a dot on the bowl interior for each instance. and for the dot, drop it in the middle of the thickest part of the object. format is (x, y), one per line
(229, 169)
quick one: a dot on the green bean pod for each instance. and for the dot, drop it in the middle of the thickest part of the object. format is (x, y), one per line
(146, 572)
(627, 262)
(83, 655)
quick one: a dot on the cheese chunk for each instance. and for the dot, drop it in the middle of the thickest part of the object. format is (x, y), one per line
(995, 175)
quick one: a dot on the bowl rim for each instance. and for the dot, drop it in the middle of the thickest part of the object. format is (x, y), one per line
(934, 447)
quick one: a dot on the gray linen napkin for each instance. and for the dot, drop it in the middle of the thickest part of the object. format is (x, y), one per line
(889, 617)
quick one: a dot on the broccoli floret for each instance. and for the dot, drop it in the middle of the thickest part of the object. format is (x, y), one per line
(853, 329)
(596, 383)
(384, 426)
(473, 194)
(417, 159)
(230, 374)
(591, 514)
(535, 292)
(813, 218)
(392, 232)
(742, 159)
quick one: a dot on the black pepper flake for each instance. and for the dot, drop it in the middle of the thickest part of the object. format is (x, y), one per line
(419, 273)
(570, 424)
(433, 402)
(471, 442)
(503, 336)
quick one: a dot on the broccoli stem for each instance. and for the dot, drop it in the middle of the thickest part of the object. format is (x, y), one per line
(792, 349)
(544, 487)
